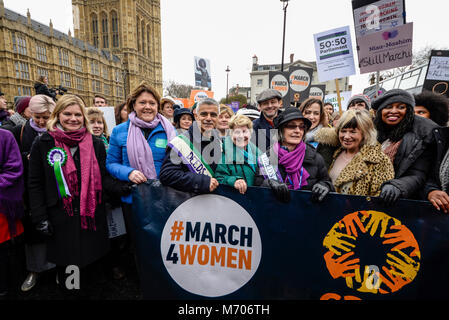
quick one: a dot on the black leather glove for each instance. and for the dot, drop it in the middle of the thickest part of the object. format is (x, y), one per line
(280, 190)
(389, 194)
(44, 228)
(319, 192)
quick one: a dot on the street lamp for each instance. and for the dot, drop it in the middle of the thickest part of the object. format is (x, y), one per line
(227, 82)
(285, 5)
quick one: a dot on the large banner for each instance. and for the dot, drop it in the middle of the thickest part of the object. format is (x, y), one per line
(231, 246)
(437, 77)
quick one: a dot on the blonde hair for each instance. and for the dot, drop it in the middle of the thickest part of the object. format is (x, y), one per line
(240, 120)
(96, 113)
(362, 120)
(65, 101)
(41, 103)
(225, 109)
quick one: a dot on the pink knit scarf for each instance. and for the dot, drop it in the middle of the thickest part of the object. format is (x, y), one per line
(292, 162)
(90, 173)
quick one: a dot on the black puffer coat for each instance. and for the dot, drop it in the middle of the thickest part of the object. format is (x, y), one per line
(415, 157)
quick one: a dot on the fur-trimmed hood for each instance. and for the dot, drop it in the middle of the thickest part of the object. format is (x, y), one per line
(327, 136)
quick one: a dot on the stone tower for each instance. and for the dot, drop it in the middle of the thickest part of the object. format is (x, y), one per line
(129, 29)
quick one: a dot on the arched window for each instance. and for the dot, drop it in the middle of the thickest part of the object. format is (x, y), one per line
(94, 21)
(104, 30)
(115, 38)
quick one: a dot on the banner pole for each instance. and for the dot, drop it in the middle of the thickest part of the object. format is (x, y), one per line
(377, 84)
(337, 87)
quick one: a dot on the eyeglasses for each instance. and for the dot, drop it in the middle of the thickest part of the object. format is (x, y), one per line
(294, 126)
(204, 114)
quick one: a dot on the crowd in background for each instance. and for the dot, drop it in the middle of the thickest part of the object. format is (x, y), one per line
(62, 170)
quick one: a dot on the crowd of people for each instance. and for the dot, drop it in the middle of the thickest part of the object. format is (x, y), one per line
(61, 172)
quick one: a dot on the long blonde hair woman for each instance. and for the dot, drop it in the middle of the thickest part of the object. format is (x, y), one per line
(359, 166)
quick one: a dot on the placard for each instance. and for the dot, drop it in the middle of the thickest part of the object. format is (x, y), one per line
(374, 16)
(202, 73)
(109, 116)
(437, 78)
(317, 91)
(300, 80)
(332, 98)
(388, 49)
(334, 56)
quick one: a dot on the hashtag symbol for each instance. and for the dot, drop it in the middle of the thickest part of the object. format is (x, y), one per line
(176, 231)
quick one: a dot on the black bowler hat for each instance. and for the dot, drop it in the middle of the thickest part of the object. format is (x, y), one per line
(179, 112)
(290, 113)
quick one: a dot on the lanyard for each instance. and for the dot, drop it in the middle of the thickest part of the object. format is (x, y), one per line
(300, 178)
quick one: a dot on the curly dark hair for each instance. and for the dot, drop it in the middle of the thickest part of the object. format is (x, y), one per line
(438, 106)
(397, 132)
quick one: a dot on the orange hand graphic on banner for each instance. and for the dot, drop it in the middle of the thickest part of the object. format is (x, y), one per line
(408, 268)
(404, 238)
(335, 243)
(349, 220)
(397, 281)
(339, 267)
(379, 219)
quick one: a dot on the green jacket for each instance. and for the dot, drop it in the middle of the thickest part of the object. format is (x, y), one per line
(235, 165)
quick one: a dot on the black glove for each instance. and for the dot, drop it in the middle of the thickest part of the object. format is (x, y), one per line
(125, 189)
(44, 228)
(280, 190)
(319, 192)
(389, 194)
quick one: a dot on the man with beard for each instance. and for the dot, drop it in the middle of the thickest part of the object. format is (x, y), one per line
(191, 159)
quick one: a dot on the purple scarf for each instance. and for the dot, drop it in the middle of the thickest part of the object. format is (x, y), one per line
(139, 152)
(11, 180)
(292, 162)
(36, 127)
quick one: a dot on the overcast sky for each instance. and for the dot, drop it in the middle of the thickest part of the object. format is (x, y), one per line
(230, 32)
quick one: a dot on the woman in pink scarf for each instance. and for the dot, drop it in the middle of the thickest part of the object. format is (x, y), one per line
(290, 163)
(66, 177)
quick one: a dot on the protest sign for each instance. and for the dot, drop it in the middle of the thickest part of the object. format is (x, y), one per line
(333, 98)
(197, 95)
(437, 78)
(386, 49)
(300, 80)
(109, 116)
(334, 55)
(374, 16)
(279, 81)
(317, 91)
(231, 246)
(202, 73)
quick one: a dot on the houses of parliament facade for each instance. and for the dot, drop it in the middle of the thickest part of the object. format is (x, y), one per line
(116, 44)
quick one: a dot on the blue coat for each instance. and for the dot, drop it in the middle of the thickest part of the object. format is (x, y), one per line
(117, 162)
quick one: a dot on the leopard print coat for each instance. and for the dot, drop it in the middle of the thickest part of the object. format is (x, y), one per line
(365, 173)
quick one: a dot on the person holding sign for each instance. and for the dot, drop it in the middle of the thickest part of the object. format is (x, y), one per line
(191, 159)
(291, 164)
(407, 140)
(67, 182)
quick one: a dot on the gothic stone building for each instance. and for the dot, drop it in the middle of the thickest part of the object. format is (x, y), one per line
(116, 45)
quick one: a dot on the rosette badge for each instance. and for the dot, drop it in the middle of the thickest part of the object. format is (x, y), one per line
(57, 157)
